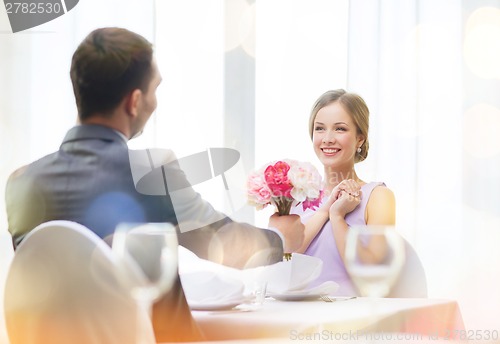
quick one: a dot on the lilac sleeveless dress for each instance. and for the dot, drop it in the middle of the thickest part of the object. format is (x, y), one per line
(323, 245)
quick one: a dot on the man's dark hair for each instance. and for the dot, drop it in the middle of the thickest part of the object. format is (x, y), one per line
(106, 66)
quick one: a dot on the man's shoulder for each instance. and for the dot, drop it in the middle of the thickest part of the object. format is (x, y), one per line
(18, 173)
(28, 168)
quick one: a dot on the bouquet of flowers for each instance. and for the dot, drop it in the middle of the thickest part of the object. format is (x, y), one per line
(283, 184)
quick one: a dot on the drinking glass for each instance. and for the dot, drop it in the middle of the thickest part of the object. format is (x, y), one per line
(148, 256)
(255, 291)
(374, 256)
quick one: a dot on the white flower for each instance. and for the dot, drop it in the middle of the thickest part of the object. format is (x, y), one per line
(305, 179)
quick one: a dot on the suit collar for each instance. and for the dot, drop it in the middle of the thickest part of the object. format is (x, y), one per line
(93, 131)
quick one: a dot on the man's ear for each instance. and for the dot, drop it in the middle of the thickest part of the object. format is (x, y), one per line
(133, 101)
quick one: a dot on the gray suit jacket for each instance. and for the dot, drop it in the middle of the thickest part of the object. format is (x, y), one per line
(89, 181)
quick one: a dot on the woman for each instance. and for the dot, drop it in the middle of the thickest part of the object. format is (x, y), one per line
(339, 131)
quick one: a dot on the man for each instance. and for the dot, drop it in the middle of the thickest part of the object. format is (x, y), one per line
(89, 180)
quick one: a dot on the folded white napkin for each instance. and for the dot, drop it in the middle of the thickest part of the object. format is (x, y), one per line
(206, 287)
(206, 282)
(291, 275)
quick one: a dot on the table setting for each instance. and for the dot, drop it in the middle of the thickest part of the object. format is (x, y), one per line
(282, 299)
(275, 301)
(211, 286)
(339, 316)
(288, 298)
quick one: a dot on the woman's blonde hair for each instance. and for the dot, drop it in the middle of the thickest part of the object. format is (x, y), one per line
(355, 106)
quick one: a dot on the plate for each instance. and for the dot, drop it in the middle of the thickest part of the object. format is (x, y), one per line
(216, 306)
(295, 297)
(325, 288)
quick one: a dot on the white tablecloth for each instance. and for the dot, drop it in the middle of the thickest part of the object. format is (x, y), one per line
(345, 320)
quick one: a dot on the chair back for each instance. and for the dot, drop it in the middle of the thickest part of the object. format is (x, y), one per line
(412, 281)
(6, 255)
(63, 286)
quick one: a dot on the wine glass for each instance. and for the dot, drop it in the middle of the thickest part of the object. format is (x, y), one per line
(374, 256)
(148, 257)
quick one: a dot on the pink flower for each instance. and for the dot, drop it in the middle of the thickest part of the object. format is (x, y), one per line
(312, 203)
(277, 179)
(285, 183)
(258, 192)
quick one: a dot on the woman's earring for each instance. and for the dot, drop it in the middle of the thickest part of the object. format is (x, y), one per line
(358, 150)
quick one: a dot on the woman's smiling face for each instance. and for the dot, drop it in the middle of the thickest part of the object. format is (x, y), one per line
(335, 136)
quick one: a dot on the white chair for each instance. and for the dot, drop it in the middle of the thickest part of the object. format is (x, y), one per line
(412, 281)
(6, 255)
(63, 287)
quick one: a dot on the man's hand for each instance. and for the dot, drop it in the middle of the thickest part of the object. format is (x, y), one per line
(292, 229)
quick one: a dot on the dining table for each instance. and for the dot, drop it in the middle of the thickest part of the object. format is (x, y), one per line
(332, 319)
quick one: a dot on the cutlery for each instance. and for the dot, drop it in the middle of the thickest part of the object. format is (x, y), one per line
(327, 298)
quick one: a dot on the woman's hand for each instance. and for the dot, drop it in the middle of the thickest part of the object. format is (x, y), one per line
(346, 196)
(349, 186)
